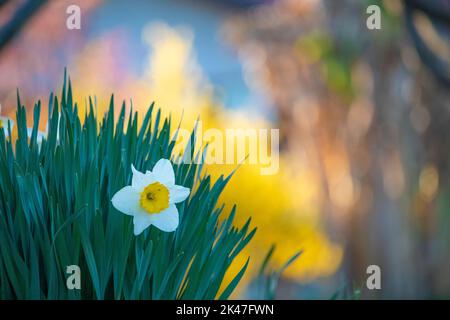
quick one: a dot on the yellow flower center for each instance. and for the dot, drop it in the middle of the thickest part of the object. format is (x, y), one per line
(155, 198)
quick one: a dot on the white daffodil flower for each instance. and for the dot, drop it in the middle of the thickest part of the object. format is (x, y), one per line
(151, 198)
(4, 125)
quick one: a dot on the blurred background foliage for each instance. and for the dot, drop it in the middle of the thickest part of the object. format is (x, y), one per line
(363, 173)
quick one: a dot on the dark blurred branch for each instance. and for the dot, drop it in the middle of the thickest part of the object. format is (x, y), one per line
(440, 67)
(437, 9)
(3, 2)
(22, 15)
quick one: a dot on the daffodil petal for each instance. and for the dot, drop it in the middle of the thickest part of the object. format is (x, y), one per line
(141, 180)
(163, 172)
(126, 200)
(166, 220)
(178, 193)
(141, 222)
(137, 177)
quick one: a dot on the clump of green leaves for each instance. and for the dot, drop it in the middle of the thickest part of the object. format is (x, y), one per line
(268, 278)
(55, 211)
